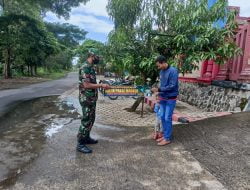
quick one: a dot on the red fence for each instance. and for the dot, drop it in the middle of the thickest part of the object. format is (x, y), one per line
(237, 69)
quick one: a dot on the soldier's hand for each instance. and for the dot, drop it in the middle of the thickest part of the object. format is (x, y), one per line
(105, 86)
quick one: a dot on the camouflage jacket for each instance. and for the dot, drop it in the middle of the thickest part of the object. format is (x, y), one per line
(87, 73)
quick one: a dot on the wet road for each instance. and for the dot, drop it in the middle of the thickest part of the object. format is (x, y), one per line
(24, 131)
(10, 98)
(38, 151)
(125, 158)
(207, 155)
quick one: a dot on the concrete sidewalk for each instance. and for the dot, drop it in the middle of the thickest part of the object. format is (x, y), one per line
(185, 113)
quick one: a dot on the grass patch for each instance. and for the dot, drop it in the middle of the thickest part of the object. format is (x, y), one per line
(51, 75)
(41, 73)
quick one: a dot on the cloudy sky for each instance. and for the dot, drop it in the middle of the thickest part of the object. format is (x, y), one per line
(93, 17)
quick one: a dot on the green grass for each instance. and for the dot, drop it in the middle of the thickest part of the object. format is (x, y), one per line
(41, 73)
(51, 75)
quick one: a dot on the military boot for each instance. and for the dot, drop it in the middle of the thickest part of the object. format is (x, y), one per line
(89, 140)
(81, 147)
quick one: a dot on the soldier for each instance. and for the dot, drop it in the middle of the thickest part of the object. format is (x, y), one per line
(88, 95)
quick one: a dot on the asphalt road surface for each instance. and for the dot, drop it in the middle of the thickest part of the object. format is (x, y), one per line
(10, 98)
(222, 145)
(211, 154)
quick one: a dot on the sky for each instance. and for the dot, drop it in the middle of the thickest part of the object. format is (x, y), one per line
(93, 17)
(244, 6)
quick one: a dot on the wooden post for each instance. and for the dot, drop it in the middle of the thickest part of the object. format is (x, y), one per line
(142, 106)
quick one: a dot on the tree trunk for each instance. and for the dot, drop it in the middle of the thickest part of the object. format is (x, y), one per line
(7, 65)
(32, 70)
(136, 104)
(35, 69)
(22, 69)
(143, 75)
(29, 72)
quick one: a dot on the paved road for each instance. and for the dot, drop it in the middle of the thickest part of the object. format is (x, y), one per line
(10, 98)
(125, 157)
(212, 154)
(222, 145)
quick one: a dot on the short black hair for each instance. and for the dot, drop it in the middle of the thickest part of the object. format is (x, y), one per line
(161, 59)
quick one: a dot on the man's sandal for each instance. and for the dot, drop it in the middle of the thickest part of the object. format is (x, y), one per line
(163, 143)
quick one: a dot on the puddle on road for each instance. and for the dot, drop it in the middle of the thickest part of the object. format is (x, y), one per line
(24, 131)
(72, 103)
(55, 124)
(100, 137)
(100, 128)
(107, 127)
(27, 128)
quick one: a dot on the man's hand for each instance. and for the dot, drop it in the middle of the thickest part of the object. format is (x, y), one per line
(105, 86)
(154, 90)
(156, 93)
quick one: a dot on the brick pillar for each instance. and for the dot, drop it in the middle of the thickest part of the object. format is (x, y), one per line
(245, 69)
(215, 70)
(223, 72)
(237, 62)
(209, 70)
(203, 68)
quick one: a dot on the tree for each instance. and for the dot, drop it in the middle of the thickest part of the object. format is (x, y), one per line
(126, 52)
(59, 61)
(67, 34)
(124, 13)
(83, 49)
(27, 43)
(16, 31)
(59, 7)
(22, 7)
(183, 31)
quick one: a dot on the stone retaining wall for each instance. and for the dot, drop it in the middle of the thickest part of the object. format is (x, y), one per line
(214, 98)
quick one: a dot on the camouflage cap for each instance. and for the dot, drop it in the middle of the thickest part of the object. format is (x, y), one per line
(93, 51)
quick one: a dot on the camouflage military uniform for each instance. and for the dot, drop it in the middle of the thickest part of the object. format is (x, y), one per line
(87, 98)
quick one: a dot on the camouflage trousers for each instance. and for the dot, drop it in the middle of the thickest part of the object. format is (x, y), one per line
(88, 119)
